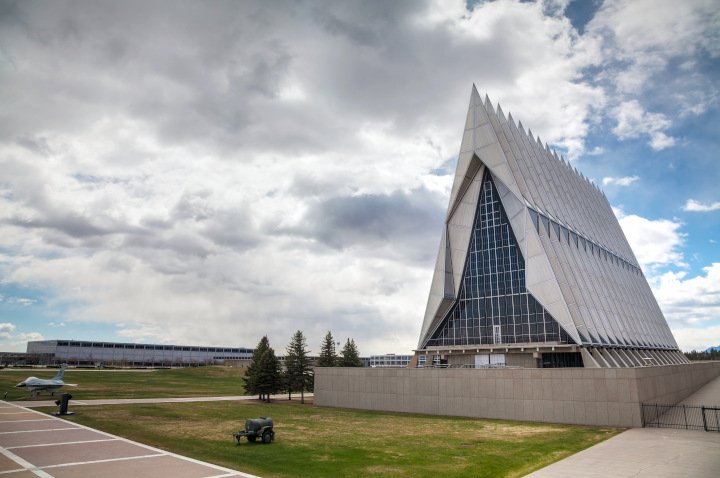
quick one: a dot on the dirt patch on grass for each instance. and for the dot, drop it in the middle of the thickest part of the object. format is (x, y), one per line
(513, 431)
(384, 470)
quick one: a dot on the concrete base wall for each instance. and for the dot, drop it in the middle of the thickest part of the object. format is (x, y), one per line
(605, 397)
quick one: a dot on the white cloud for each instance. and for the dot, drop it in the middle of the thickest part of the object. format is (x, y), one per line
(12, 341)
(25, 301)
(624, 181)
(646, 34)
(56, 324)
(633, 121)
(651, 49)
(6, 330)
(654, 242)
(660, 141)
(539, 65)
(28, 337)
(688, 301)
(144, 333)
(697, 338)
(696, 206)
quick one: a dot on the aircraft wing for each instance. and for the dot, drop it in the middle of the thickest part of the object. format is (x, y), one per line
(70, 385)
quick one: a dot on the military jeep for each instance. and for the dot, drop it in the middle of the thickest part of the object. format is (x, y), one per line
(257, 428)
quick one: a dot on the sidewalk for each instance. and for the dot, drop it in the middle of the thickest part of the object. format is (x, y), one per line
(125, 401)
(649, 452)
(644, 453)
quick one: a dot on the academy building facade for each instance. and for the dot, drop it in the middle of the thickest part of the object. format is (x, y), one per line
(533, 268)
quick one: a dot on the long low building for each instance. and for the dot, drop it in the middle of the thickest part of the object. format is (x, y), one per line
(387, 360)
(76, 352)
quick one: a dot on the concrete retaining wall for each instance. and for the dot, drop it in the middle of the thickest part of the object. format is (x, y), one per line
(589, 396)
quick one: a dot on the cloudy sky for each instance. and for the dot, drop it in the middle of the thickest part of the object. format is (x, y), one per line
(209, 172)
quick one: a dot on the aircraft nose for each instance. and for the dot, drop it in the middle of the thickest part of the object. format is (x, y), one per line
(21, 384)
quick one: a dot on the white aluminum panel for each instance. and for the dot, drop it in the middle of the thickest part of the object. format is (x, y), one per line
(502, 169)
(483, 136)
(437, 288)
(505, 143)
(533, 245)
(460, 228)
(588, 360)
(464, 163)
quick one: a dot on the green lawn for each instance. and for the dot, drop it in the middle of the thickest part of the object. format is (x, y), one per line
(185, 382)
(325, 442)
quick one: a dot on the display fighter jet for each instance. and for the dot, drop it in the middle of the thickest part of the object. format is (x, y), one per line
(36, 385)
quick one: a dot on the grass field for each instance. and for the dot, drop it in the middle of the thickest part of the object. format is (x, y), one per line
(186, 382)
(324, 442)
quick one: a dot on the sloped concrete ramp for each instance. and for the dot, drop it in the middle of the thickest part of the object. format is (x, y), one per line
(33, 444)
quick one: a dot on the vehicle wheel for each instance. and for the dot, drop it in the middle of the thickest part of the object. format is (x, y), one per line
(267, 437)
(251, 438)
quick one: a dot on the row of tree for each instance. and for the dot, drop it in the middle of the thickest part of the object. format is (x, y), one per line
(349, 356)
(710, 354)
(265, 376)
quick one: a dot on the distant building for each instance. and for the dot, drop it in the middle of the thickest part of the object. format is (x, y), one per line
(387, 360)
(76, 352)
(533, 268)
(14, 358)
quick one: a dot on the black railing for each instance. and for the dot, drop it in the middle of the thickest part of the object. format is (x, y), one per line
(689, 417)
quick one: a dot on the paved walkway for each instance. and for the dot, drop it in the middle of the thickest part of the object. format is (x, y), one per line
(709, 395)
(649, 452)
(33, 444)
(644, 453)
(125, 401)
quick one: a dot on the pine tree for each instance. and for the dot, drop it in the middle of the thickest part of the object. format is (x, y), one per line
(298, 371)
(328, 357)
(251, 373)
(350, 355)
(268, 377)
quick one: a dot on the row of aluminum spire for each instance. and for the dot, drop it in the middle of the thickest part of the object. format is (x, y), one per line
(550, 184)
(611, 358)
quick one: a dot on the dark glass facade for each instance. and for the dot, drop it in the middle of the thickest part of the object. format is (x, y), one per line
(561, 360)
(493, 306)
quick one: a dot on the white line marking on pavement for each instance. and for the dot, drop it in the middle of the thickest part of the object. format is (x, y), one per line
(237, 473)
(227, 471)
(62, 443)
(25, 464)
(11, 471)
(18, 421)
(43, 430)
(109, 460)
(175, 455)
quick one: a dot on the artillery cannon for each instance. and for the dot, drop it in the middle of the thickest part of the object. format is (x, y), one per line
(257, 428)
